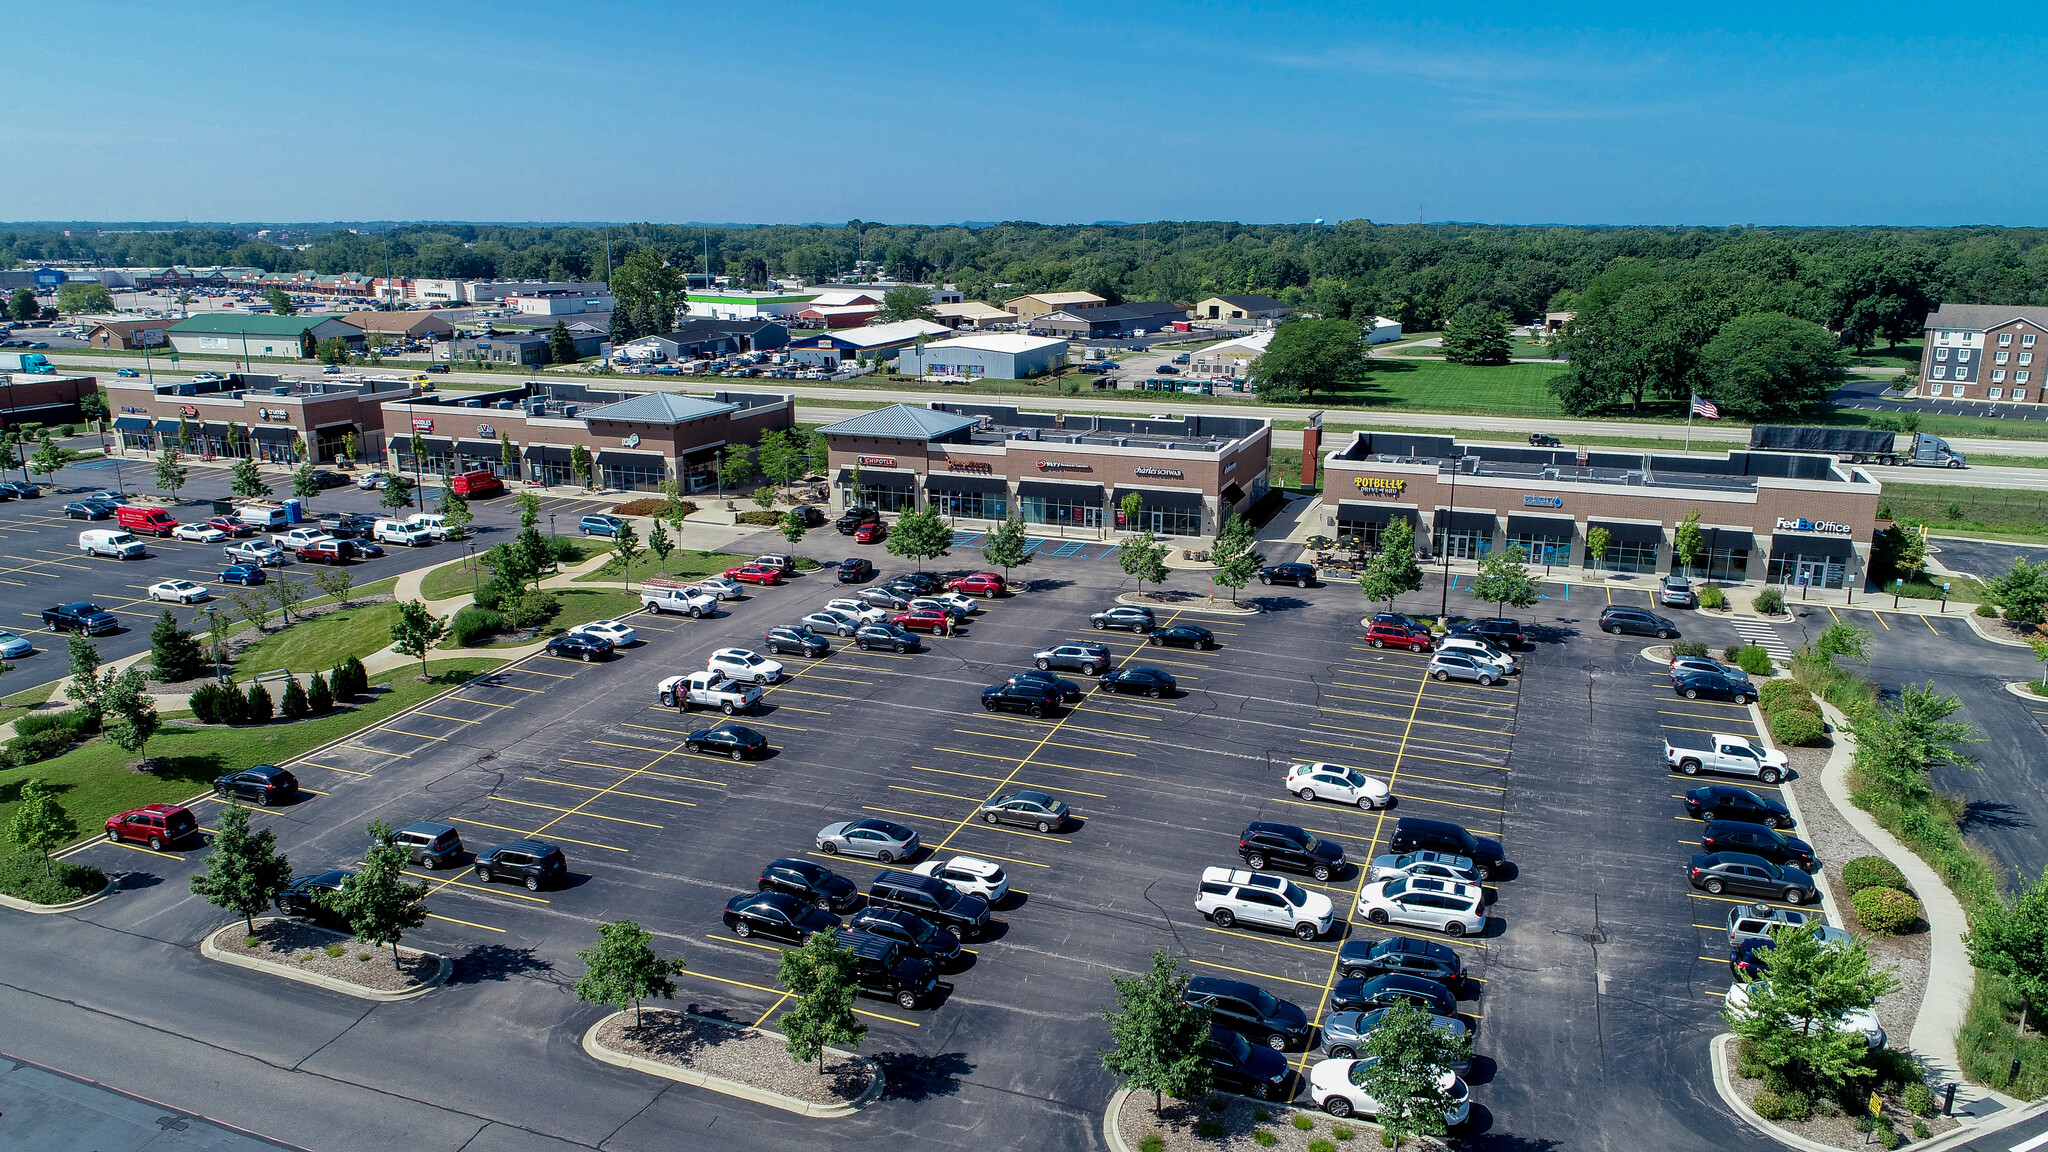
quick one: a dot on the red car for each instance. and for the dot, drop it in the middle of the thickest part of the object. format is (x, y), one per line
(157, 825)
(978, 584)
(870, 534)
(326, 552)
(754, 574)
(1388, 635)
(232, 525)
(925, 620)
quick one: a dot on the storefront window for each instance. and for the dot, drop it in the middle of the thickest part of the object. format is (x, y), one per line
(1059, 510)
(632, 475)
(1730, 564)
(1627, 556)
(970, 505)
(1796, 568)
(1165, 521)
(882, 498)
(1463, 545)
(1544, 550)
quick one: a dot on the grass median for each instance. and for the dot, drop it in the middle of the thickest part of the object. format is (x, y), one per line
(1990, 513)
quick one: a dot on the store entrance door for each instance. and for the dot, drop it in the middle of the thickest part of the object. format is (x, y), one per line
(1811, 573)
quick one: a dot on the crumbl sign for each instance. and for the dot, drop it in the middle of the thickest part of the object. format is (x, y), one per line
(1824, 527)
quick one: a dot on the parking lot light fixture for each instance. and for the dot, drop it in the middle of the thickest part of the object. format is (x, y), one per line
(1898, 586)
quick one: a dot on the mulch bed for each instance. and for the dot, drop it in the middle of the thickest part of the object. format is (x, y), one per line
(734, 1053)
(1838, 1130)
(1177, 1126)
(292, 944)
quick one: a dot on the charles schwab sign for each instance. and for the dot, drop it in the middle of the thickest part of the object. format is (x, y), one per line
(274, 413)
(1824, 527)
(1172, 473)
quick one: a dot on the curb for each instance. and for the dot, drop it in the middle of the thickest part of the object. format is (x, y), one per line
(1205, 609)
(211, 951)
(734, 1088)
(1826, 895)
(1971, 618)
(1110, 1135)
(35, 909)
(2024, 690)
(1718, 1048)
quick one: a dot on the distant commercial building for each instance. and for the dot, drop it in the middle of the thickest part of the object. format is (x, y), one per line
(1381, 330)
(276, 418)
(239, 334)
(827, 349)
(971, 314)
(739, 304)
(130, 335)
(1239, 309)
(995, 355)
(1112, 321)
(401, 325)
(705, 339)
(1231, 359)
(26, 398)
(1030, 307)
(837, 315)
(530, 348)
(575, 300)
(1985, 352)
(940, 293)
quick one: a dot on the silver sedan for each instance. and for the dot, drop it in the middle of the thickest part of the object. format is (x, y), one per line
(879, 839)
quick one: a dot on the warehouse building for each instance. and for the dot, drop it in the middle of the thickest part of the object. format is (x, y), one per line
(971, 314)
(739, 304)
(1065, 472)
(1030, 307)
(705, 339)
(1769, 516)
(995, 355)
(828, 348)
(1111, 321)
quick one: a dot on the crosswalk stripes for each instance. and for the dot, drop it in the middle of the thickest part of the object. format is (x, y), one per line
(1761, 634)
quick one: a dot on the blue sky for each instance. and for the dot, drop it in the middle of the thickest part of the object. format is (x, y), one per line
(914, 112)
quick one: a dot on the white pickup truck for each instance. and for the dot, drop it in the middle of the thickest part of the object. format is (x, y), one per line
(708, 690)
(658, 595)
(1731, 755)
(254, 552)
(299, 538)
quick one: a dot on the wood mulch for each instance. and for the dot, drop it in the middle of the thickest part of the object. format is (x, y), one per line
(1178, 1126)
(1830, 1125)
(734, 1053)
(301, 946)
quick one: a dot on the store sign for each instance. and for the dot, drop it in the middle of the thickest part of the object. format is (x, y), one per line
(879, 461)
(1063, 466)
(273, 413)
(1380, 486)
(631, 441)
(188, 410)
(423, 423)
(1542, 501)
(1170, 473)
(955, 464)
(486, 430)
(1824, 527)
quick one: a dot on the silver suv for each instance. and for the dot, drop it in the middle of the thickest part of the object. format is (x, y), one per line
(1755, 921)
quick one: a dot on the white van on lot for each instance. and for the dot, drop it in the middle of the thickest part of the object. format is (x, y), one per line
(431, 522)
(401, 532)
(119, 543)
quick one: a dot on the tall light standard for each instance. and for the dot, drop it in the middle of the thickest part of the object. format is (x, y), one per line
(1457, 465)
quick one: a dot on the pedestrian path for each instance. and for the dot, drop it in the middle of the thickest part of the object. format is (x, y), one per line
(1760, 633)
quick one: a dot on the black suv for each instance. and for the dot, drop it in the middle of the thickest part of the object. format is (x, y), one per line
(1725, 802)
(888, 636)
(854, 518)
(1027, 696)
(1501, 630)
(1285, 846)
(917, 936)
(776, 914)
(882, 968)
(855, 570)
(307, 897)
(1299, 575)
(797, 638)
(1355, 994)
(266, 784)
(1250, 1010)
(812, 882)
(1616, 619)
(1778, 848)
(1413, 832)
(1368, 958)
(934, 900)
(534, 863)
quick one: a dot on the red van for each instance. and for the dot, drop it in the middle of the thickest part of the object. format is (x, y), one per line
(148, 521)
(478, 483)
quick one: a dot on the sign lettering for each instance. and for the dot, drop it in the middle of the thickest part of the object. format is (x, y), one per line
(188, 410)
(423, 423)
(882, 461)
(1380, 486)
(1063, 466)
(486, 430)
(273, 413)
(1825, 527)
(631, 441)
(955, 464)
(1542, 501)
(1171, 473)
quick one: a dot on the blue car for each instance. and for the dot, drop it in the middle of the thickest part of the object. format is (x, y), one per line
(243, 574)
(127, 372)
(12, 646)
(607, 526)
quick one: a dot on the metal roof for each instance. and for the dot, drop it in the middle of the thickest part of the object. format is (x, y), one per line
(901, 422)
(658, 408)
(255, 324)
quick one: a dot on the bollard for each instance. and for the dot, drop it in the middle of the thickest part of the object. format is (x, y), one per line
(2012, 1073)
(1948, 1101)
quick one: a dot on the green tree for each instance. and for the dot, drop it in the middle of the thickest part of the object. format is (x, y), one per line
(645, 280)
(397, 491)
(781, 458)
(579, 463)
(820, 977)
(1237, 562)
(93, 406)
(529, 508)
(1309, 356)
(1503, 581)
(416, 631)
(184, 434)
(1143, 558)
(1790, 1015)
(791, 525)
(40, 823)
(245, 873)
(920, 536)
(1843, 640)
(1393, 571)
(48, 457)
(1476, 334)
(84, 296)
(623, 969)
(561, 345)
(455, 512)
(337, 582)
(305, 483)
(764, 496)
(737, 468)
(1406, 1065)
(174, 652)
(2021, 590)
(281, 302)
(287, 595)
(1005, 547)
(818, 452)
(1158, 1035)
(127, 702)
(1770, 366)
(2039, 644)
(2012, 940)
(378, 903)
(1635, 339)
(169, 476)
(23, 305)
(1597, 540)
(660, 543)
(908, 302)
(508, 456)
(84, 670)
(334, 350)
(1900, 744)
(247, 480)
(1688, 541)
(626, 549)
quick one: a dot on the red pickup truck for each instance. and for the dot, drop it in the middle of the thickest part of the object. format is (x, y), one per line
(476, 483)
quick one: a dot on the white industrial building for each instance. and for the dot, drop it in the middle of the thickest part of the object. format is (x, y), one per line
(996, 355)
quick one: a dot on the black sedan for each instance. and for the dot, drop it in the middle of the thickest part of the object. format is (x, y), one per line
(1400, 954)
(918, 583)
(735, 740)
(889, 636)
(1726, 802)
(88, 510)
(776, 914)
(580, 646)
(812, 882)
(266, 784)
(1750, 875)
(1693, 684)
(22, 489)
(1068, 690)
(1757, 840)
(307, 896)
(1238, 1065)
(1353, 994)
(855, 570)
(1184, 636)
(1138, 682)
(1501, 630)
(1299, 575)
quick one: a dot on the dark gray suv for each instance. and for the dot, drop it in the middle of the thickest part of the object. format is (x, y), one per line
(432, 845)
(936, 901)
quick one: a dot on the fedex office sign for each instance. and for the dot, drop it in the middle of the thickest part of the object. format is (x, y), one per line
(1824, 527)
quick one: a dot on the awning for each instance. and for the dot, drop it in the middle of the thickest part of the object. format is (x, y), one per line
(1786, 544)
(1080, 490)
(1622, 532)
(131, 423)
(1374, 512)
(634, 455)
(1164, 499)
(881, 477)
(1728, 539)
(1559, 527)
(1232, 493)
(546, 453)
(959, 482)
(481, 450)
(1462, 521)
(275, 433)
(170, 427)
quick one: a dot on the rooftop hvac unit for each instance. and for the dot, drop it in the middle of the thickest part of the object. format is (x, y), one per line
(506, 405)
(1120, 441)
(187, 390)
(1550, 473)
(1169, 445)
(570, 409)
(281, 390)
(472, 403)
(1632, 477)
(1074, 439)
(1020, 434)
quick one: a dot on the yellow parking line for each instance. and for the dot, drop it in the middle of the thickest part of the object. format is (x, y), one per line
(645, 772)
(496, 890)
(514, 688)
(465, 923)
(330, 767)
(144, 849)
(489, 703)
(979, 776)
(1035, 763)
(835, 679)
(457, 719)
(537, 672)
(947, 795)
(525, 832)
(572, 812)
(1046, 742)
(1409, 755)
(801, 692)
(1125, 715)
(912, 815)
(1430, 739)
(379, 751)
(1260, 975)
(778, 992)
(614, 792)
(1926, 621)
(771, 1010)
(417, 735)
(737, 940)
(1276, 940)
(1452, 803)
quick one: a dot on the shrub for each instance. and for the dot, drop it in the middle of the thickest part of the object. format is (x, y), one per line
(537, 608)
(1712, 597)
(1798, 728)
(1861, 1123)
(764, 519)
(1303, 1123)
(256, 706)
(564, 549)
(1885, 910)
(473, 624)
(357, 679)
(1343, 1132)
(1872, 872)
(1262, 1114)
(1783, 695)
(1688, 648)
(21, 876)
(1729, 653)
(294, 704)
(1755, 661)
(335, 950)
(1321, 1146)
(1215, 1103)
(38, 746)
(1921, 1131)
(1152, 1142)
(1769, 1105)
(1770, 602)
(1918, 1099)
(645, 506)
(1210, 1129)
(319, 698)
(1264, 1139)
(209, 703)
(79, 722)
(1888, 1137)
(1798, 1106)
(1987, 611)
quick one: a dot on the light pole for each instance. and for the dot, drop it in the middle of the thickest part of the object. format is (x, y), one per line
(1444, 608)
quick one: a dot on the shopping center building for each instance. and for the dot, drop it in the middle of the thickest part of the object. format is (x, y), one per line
(281, 419)
(1768, 516)
(1066, 471)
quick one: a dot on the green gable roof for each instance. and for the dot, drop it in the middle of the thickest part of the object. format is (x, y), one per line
(255, 324)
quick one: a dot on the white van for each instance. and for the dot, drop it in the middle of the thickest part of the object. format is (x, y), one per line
(401, 532)
(119, 543)
(266, 517)
(429, 522)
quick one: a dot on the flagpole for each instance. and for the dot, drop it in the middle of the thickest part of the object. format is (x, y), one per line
(1690, 407)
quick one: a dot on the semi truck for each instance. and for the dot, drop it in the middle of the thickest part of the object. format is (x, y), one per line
(1860, 446)
(33, 363)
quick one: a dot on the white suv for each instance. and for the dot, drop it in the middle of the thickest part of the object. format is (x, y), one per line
(1478, 650)
(860, 610)
(1229, 895)
(1425, 902)
(744, 666)
(969, 874)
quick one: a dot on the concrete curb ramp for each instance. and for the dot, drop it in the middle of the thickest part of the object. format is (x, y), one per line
(34, 909)
(212, 951)
(1203, 607)
(734, 1088)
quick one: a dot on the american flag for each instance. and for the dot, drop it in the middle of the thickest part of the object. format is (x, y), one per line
(1705, 407)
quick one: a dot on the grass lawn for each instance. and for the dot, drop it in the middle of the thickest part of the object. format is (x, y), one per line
(1906, 357)
(19, 703)
(1437, 386)
(456, 579)
(684, 564)
(582, 605)
(93, 782)
(1993, 513)
(318, 644)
